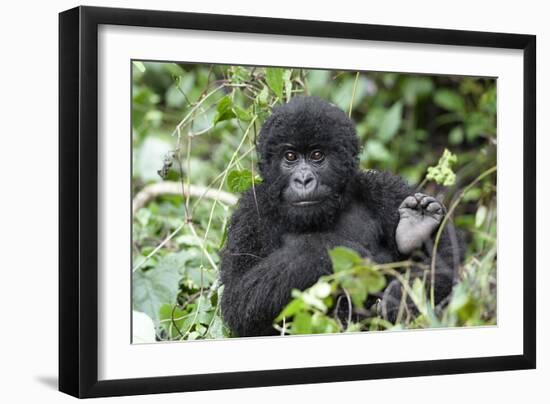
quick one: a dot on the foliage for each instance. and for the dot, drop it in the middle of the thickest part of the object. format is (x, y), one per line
(198, 124)
(473, 301)
(443, 173)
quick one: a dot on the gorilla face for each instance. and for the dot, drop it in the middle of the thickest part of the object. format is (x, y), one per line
(305, 173)
(309, 151)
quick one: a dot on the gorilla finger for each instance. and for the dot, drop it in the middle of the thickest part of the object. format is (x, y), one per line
(436, 207)
(419, 196)
(433, 207)
(427, 201)
(409, 202)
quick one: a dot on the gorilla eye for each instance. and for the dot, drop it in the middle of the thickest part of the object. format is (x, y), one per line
(317, 155)
(290, 156)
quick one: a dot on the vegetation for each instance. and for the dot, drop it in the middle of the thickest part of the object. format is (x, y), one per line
(194, 129)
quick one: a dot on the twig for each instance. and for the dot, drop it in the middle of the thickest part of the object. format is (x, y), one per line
(209, 224)
(157, 248)
(220, 175)
(155, 190)
(174, 188)
(203, 248)
(444, 222)
(353, 94)
(350, 307)
(197, 106)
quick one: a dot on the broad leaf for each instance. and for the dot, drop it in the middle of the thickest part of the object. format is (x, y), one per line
(450, 100)
(240, 180)
(242, 114)
(416, 87)
(263, 96)
(153, 288)
(275, 80)
(139, 65)
(291, 309)
(344, 258)
(224, 110)
(391, 122)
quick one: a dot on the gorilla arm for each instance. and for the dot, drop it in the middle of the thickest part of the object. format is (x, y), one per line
(260, 268)
(254, 296)
(410, 232)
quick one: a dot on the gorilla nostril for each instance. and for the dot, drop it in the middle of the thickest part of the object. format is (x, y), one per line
(304, 181)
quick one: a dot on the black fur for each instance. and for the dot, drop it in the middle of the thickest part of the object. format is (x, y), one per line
(273, 248)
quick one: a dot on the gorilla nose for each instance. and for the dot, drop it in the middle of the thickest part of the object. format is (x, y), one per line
(305, 181)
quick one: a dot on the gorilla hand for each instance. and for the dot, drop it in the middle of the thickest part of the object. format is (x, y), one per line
(419, 215)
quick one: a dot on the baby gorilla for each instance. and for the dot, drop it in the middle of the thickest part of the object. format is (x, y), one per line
(313, 198)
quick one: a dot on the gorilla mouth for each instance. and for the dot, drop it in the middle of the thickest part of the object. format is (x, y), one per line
(306, 203)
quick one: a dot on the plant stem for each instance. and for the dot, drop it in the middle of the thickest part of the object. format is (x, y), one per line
(444, 222)
(353, 94)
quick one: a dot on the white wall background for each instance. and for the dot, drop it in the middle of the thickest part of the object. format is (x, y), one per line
(28, 199)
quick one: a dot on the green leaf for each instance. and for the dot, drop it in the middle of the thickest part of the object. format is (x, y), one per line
(481, 215)
(416, 87)
(301, 324)
(317, 80)
(263, 96)
(320, 290)
(153, 288)
(139, 65)
(172, 319)
(450, 100)
(344, 258)
(420, 299)
(311, 299)
(478, 124)
(224, 110)
(178, 261)
(488, 101)
(239, 74)
(373, 279)
(456, 135)
(242, 114)
(175, 95)
(290, 309)
(356, 289)
(322, 324)
(198, 275)
(418, 296)
(363, 280)
(443, 173)
(473, 194)
(240, 180)
(390, 122)
(341, 96)
(463, 305)
(375, 150)
(216, 328)
(275, 80)
(288, 84)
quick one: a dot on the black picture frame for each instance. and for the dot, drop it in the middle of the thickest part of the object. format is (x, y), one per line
(78, 200)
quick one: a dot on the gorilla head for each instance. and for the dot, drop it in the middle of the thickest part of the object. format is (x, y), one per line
(308, 151)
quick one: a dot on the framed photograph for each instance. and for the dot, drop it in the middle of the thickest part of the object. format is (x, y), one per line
(251, 201)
